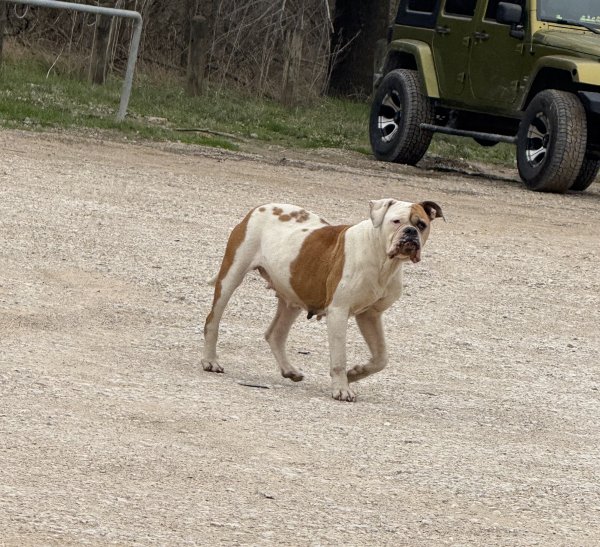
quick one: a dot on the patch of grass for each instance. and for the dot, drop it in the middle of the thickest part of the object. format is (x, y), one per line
(466, 149)
(32, 96)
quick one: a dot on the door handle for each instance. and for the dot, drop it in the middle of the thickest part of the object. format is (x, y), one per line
(483, 36)
(442, 30)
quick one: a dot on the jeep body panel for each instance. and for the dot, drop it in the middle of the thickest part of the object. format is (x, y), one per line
(456, 56)
(495, 80)
(579, 43)
(560, 72)
(498, 71)
(582, 71)
(452, 45)
(402, 53)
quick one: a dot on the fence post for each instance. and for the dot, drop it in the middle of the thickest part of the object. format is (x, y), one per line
(197, 54)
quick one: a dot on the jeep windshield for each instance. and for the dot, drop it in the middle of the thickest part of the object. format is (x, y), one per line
(582, 13)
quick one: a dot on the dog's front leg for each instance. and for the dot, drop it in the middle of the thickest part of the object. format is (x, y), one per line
(370, 325)
(337, 325)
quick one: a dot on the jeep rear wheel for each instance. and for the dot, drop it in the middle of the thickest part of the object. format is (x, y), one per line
(399, 108)
(551, 141)
(587, 174)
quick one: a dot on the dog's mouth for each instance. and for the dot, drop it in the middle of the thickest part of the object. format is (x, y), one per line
(410, 248)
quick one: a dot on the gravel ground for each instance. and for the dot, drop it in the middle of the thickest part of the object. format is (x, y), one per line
(484, 429)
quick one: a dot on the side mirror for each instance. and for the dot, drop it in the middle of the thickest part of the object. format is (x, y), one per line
(509, 14)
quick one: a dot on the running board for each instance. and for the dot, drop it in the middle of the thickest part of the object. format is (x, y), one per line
(492, 137)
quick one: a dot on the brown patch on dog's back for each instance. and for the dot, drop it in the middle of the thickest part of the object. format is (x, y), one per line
(300, 216)
(277, 211)
(262, 209)
(285, 218)
(317, 270)
(236, 238)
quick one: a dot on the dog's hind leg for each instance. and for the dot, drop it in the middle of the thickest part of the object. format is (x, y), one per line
(237, 262)
(276, 336)
(371, 328)
(223, 291)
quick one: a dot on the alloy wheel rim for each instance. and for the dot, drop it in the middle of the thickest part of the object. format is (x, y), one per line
(388, 117)
(538, 139)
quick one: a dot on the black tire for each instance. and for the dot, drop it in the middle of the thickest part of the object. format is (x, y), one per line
(551, 141)
(587, 174)
(399, 108)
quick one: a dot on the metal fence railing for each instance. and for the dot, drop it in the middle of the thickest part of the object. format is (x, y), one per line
(111, 12)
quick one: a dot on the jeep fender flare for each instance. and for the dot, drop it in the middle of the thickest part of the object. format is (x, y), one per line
(412, 54)
(566, 73)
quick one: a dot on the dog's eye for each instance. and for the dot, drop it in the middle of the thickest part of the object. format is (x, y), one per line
(421, 225)
(396, 221)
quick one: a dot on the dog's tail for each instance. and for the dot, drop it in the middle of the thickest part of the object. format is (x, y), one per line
(212, 281)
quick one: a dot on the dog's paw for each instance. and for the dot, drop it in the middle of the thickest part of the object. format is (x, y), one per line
(293, 375)
(341, 394)
(356, 373)
(211, 366)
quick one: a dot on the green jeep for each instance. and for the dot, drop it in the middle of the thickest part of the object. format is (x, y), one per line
(518, 71)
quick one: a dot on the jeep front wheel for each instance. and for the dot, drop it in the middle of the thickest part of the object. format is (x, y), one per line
(551, 141)
(398, 110)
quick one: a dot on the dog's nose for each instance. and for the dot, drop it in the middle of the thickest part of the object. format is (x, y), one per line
(411, 231)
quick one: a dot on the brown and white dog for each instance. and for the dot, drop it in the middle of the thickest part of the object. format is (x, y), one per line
(333, 271)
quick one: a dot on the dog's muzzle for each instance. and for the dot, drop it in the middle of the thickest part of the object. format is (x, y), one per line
(406, 242)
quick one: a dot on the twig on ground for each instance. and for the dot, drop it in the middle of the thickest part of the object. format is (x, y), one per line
(211, 132)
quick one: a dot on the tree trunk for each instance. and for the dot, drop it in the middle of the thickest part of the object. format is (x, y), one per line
(198, 50)
(3, 10)
(190, 8)
(357, 25)
(291, 64)
(99, 61)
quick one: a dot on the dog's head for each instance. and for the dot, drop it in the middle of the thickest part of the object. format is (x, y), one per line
(404, 226)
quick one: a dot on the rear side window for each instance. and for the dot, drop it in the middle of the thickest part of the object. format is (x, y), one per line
(422, 6)
(418, 13)
(464, 8)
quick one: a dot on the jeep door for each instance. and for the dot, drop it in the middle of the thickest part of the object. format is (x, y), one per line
(496, 63)
(451, 46)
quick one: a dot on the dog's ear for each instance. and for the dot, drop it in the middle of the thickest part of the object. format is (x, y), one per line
(379, 208)
(432, 209)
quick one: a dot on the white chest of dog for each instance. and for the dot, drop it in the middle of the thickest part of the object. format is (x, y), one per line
(332, 271)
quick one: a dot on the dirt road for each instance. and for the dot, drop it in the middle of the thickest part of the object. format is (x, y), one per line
(484, 429)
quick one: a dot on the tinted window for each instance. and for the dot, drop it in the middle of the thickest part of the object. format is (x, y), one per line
(418, 13)
(460, 7)
(424, 6)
